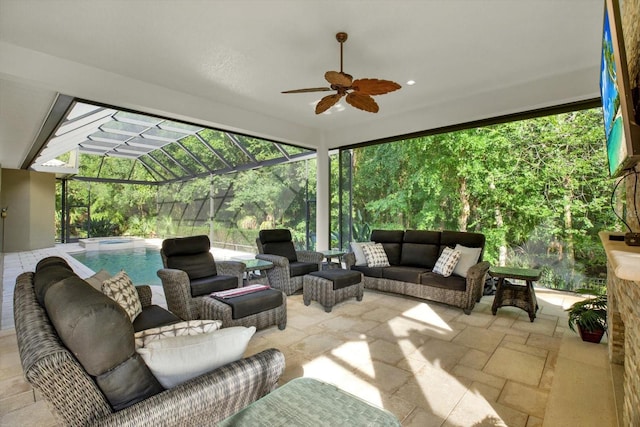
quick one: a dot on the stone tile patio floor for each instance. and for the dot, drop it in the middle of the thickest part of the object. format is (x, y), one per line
(428, 363)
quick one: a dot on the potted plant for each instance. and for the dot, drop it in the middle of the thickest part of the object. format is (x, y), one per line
(590, 315)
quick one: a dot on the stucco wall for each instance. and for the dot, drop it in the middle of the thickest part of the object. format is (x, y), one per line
(30, 198)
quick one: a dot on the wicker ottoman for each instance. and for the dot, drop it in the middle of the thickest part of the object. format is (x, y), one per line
(329, 287)
(217, 310)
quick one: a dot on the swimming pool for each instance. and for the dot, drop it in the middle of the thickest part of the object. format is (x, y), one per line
(141, 264)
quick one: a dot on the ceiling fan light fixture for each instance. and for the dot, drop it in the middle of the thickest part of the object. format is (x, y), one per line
(358, 92)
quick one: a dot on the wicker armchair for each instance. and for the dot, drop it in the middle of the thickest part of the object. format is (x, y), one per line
(191, 273)
(289, 265)
(76, 400)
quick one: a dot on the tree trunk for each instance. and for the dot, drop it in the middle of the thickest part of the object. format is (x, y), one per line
(463, 220)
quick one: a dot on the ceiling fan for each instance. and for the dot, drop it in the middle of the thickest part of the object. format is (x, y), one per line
(358, 92)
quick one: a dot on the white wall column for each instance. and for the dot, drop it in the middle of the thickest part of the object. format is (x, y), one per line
(322, 198)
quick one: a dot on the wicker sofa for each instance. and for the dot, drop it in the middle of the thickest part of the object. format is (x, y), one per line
(412, 255)
(74, 394)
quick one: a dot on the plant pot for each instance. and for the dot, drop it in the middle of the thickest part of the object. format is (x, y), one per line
(594, 336)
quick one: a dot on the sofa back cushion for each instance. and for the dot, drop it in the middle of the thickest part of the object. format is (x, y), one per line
(470, 240)
(278, 242)
(98, 332)
(191, 255)
(48, 274)
(391, 241)
(420, 248)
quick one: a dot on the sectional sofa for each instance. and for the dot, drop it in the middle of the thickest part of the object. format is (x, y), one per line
(412, 255)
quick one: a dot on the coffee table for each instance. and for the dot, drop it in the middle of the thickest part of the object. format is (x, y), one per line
(306, 402)
(511, 294)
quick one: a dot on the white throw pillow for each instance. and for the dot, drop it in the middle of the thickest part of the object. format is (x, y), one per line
(447, 262)
(97, 279)
(468, 258)
(174, 360)
(189, 327)
(120, 289)
(356, 247)
(375, 255)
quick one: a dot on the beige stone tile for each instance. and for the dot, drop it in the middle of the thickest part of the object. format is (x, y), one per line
(480, 339)
(387, 378)
(508, 330)
(519, 339)
(541, 352)
(398, 407)
(434, 391)
(475, 359)
(16, 401)
(515, 365)
(328, 369)
(294, 367)
(422, 418)
(534, 421)
(36, 415)
(474, 410)
(530, 400)
(481, 320)
(380, 314)
(314, 345)
(479, 376)
(588, 353)
(581, 394)
(539, 326)
(544, 341)
(441, 354)
(512, 417)
(13, 385)
(386, 351)
(491, 394)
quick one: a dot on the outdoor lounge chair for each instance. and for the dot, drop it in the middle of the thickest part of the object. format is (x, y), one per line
(190, 273)
(289, 265)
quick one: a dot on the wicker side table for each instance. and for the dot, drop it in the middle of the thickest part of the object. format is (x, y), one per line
(509, 294)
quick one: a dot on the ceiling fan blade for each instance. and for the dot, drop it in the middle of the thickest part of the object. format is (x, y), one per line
(337, 78)
(363, 102)
(311, 89)
(374, 86)
(327, 102)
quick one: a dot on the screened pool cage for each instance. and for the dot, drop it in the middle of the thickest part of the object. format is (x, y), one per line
(125, 173)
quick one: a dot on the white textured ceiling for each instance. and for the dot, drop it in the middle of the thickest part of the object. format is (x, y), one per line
(224, 63)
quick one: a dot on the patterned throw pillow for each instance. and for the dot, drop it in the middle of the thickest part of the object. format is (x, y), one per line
(120, 289)
(447, 262)
(189, 327)
(375, 255)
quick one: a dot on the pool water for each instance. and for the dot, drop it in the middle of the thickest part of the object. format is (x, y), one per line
(141, 264)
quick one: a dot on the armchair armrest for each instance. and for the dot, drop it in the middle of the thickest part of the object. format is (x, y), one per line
(310, 256)
(177, 291)
(144, 293)
(476, 277)
(349, 260)
(279, 277)
(231, 268)
(209, 398)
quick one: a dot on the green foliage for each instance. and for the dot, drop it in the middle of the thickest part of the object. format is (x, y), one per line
(590, 314)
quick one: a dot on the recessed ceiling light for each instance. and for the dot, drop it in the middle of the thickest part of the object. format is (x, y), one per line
(411, 82)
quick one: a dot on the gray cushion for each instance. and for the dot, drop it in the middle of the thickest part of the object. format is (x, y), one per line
(420, 248)
(153, 316)
(404, 274)
(299, 268)
(253, 303)
(340, 278)
(391, 241)
(455, 283)
(369, 271)
(51, 260)
(191, 255)
(99, 334)
(47, 275)
(470, 240)
(206, 285)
